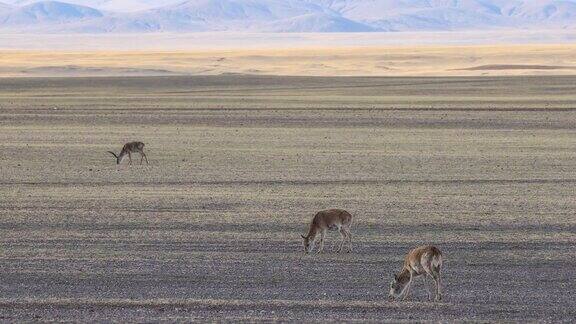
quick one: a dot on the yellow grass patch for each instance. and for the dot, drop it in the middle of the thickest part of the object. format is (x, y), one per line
(325, 61)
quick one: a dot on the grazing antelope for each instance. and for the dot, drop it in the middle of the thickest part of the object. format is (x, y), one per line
(333, 219)
(128, 149)
(424, 260)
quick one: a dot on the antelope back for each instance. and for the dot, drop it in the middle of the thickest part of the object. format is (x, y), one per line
(332, 217)
(133, 147)
(428, 255)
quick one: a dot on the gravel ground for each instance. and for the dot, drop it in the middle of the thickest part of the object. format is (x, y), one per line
(239, 165)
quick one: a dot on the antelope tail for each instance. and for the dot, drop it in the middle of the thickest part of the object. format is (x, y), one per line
(116, 156)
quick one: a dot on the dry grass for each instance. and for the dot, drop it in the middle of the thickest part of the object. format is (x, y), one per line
(337, 61)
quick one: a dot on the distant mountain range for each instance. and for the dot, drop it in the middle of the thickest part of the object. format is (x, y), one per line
(108, 16)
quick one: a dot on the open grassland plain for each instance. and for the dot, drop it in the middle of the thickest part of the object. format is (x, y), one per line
(482, 167)
(433, 60)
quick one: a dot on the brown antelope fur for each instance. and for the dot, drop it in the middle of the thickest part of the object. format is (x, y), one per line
(424, 260)
(323, 221)
(128, 149)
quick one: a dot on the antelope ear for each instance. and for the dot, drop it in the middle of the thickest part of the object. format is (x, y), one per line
(303, 236)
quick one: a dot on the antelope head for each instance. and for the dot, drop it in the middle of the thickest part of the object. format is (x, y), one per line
(397, 286)
(118, 158)
(308, 244)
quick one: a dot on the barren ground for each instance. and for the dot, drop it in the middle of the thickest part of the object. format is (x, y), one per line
(481, 167)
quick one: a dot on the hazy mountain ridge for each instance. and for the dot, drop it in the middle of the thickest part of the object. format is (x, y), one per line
(107, 5)
(48, 13)
(4, 7)
(104, 16)
(455, 14)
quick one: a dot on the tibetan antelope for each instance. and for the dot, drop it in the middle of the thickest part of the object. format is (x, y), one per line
(424, 260)
(128, 149)
(323, 221)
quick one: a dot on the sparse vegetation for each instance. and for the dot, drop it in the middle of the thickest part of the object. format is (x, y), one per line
(326, 60)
